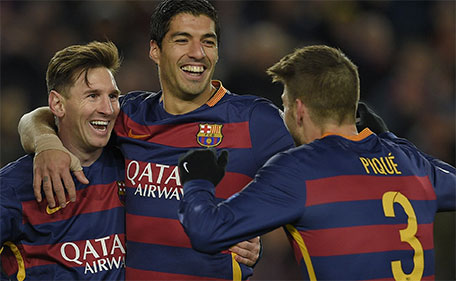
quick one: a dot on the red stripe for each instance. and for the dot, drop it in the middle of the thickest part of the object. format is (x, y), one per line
(358, 239)
(173, 236)
(230, 184)
(166, 177)
(177, 239)
(235, 135)
(138, 274)
(94, 198)
(353, 188)
(37, 255)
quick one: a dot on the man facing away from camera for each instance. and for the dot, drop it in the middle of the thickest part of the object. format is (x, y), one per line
(356, 205)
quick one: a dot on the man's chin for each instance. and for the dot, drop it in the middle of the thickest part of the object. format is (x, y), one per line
(197, 86)
(99, 144)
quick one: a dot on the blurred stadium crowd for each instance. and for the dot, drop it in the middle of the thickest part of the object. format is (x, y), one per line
(405, 51)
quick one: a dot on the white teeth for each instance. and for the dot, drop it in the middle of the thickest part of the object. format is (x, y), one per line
(192, 68)
(99, 123)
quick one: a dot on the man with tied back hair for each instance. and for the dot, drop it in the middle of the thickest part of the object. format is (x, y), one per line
(85, 240)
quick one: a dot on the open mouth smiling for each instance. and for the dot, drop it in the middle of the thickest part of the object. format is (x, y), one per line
(195, 70)
(99, 125)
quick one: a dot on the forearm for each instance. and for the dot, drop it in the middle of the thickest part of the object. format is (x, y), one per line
(36, 123)
(213, 227)
(196, 211)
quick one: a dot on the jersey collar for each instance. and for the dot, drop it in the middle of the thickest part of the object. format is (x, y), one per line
(362, 135)
(218, 95)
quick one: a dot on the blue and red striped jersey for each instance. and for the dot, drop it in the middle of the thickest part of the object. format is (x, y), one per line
(250, 128)
(359, 208)
(83, 241)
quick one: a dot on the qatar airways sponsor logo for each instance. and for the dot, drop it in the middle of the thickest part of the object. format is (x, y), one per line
(96, 255)
(154, 180)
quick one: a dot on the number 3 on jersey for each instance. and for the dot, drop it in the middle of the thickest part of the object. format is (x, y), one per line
(407, 235)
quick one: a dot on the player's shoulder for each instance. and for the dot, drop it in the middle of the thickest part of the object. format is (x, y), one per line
(289, 160)
(250, 103)
(246, 99)
(138, 97)
(14, 174)
(17, 167)
(395, 143)
(308, 153)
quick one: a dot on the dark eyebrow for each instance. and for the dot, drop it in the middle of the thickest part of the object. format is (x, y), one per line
(179, 33)
(210, 35)
(96, 91)
(186, 34)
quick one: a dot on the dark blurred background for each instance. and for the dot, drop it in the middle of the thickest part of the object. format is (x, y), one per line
(405, 51)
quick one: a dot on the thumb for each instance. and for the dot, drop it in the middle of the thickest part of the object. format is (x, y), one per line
(222, 160)
(81, 177)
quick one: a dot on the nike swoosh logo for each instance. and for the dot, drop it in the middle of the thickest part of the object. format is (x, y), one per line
(133, 136)
(50, 211)
(185, 167)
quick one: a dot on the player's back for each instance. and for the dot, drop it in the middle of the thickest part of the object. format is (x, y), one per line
(369, 210)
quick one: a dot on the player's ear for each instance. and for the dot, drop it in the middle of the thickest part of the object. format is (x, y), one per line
(301, 111)
(154, 52)
(56, 103)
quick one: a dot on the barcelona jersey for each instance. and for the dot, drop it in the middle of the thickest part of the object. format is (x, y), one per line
(152, 140)
(83, 241)
(354, 208)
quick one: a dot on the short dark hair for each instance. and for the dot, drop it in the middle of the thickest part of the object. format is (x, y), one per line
(324, 78)
(67, 64)
(167, 9)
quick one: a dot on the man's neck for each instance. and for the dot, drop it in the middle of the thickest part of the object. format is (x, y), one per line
(86, 158)
(176, 105)
(343, 130)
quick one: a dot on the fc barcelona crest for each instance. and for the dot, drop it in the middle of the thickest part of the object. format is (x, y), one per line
(209, 135)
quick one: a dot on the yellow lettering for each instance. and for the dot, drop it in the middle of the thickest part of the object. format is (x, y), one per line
(391, 158)
(372, 165)
(390, 170)
(379, 166)
(365, 164)
(382, 165)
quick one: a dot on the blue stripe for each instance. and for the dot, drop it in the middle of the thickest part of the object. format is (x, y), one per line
(166, 259)
(367, 266)
(362, 213)
(148, 206)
